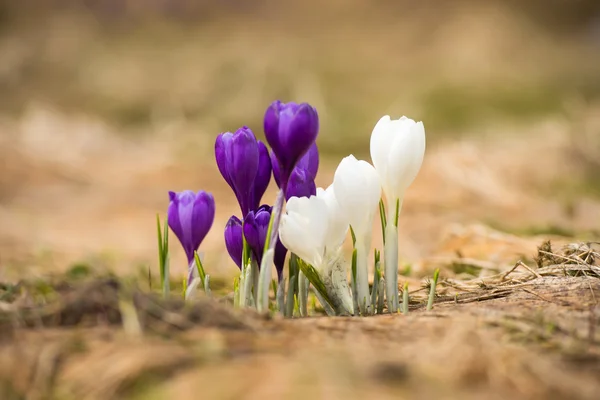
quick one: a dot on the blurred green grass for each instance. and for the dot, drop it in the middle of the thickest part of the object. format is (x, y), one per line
(458, 66)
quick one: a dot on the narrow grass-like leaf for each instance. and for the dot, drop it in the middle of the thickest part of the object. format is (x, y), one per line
(274, 287)
(303, 285)
(264, 281)
(353, 236)
(248, 298)
(436, 276)
(280, 299)
(296, 306)
(313, 277)
(207, 285)
(354, 288)
(380, 296)
(326, 306)
(375, 289)
(161, 256)
(289, 302)
(166, 269)
(236, 292)
(382, 217)
(200, 268)
(397, 212)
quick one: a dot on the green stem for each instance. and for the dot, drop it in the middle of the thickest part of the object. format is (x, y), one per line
(405, 299)
(436, 275)
(303, 285)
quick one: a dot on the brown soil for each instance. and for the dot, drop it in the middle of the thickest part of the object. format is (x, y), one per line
(527, 332)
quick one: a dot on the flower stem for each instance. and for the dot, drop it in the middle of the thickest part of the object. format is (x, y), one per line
(289, 303)
(391, 256)
(248, 279)
(436, 275)
(264, 281)
(362, 277)
(281, 296)
(303, 285)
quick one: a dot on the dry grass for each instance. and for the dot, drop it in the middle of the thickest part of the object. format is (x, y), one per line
(527, 332)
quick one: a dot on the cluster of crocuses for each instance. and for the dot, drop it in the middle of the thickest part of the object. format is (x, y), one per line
(316, 221)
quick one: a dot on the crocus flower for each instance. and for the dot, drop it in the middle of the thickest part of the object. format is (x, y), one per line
(397, 150)
(245, 165)
(291, 129)
(314, 229)
(233, 240)
(358, 190)
(190, 216)
(302, 180)
(254, 228)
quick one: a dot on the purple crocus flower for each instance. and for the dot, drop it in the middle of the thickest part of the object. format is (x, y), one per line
(279, 258)
(254, 229)
(233, 240)
(245, 165)
(190, 216)
(291, 129)
(302, 180)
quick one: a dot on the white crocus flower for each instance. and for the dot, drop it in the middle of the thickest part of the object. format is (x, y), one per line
(358, 190)
(314, 229)
(397, 151)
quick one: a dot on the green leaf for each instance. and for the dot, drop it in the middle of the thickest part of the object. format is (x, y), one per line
(313, 277)
(161, 257)
(199, 268)
(436, 276)
(353, 236)
(354, 287)
(383, 218)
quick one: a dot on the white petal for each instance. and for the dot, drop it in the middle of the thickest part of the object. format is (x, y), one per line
(304, 230)
(381, 139)
(337, 229)
(357, 189)
(406, 157)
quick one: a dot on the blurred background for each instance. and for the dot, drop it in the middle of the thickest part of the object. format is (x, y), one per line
(106, 105)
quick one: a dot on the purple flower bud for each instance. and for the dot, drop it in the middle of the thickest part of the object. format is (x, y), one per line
(263, 176)
(308, 163)
(279, 258)
(190, 216)
(256, 225)
(233, 240)
(244, 163)
(301, 184)
(291, 129)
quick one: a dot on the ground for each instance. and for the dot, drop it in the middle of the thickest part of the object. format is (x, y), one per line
(97, 126)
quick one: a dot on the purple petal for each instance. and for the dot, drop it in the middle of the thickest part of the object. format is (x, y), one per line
(245, 157)
(290, 129)
(275, 165)
(190, 217)
(310, 161)
(255, 228)
(301, 184)
(263, 176)
(223, 156)
(271, 126)
(202, 218)
(233, 240)
(279, 258)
